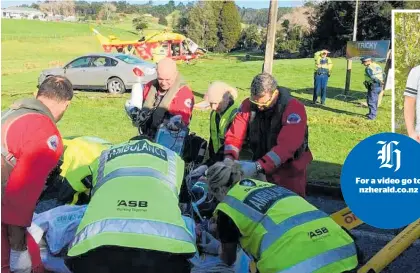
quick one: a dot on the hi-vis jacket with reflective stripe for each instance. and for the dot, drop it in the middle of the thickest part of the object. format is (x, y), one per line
(285, 233)
(326, 65)
(135, 201)
(374, 73)
(79, 154)
(217, 133)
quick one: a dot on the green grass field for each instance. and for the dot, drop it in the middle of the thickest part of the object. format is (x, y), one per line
(334, 129)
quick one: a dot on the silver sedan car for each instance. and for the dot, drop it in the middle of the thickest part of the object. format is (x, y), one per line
(104, 71)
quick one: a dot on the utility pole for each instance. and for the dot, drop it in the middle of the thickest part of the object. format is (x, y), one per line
(349, 61)
(271, 37)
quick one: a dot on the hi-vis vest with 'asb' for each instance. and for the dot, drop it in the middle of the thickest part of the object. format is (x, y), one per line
(285, 233)
(135, 201)
(218, 135)
(79, 154)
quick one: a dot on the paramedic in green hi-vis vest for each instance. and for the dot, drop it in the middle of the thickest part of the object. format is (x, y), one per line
(220, 97)
(74, 180)
(133, 222)
(278, 228)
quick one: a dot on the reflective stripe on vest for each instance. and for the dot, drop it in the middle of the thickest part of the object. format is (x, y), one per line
(135, 226)
(169, 179)
(323, 259)
(274, 231)
(217, 133)
(376, 72)
(325, 65)
(271, 218)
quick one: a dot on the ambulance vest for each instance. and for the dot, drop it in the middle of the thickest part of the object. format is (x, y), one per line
(134, 201)
(376, 71)
(217, 133)
(285, 233)
(79, 154)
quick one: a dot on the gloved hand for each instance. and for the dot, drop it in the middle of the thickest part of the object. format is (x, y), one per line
(209, 244)
(199, 171)
(249, 169)
(175, 123)
(20, 261)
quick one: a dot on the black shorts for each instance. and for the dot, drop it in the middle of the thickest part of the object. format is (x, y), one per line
(113, 259)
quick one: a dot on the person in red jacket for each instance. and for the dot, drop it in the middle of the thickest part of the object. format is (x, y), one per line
(275, 125)
(165, 97)
(31, 148)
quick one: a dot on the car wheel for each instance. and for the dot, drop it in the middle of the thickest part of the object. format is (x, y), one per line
(115, 86)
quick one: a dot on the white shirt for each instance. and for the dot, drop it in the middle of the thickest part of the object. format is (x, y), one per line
(412, 89)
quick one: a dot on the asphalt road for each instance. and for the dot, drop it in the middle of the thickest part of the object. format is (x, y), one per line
(370, 240)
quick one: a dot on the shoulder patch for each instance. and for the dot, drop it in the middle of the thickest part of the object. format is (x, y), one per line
(188, 103)
(52, 142)
(293, 119)
(247, 183)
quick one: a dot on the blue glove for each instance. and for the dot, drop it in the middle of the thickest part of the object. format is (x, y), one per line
(249, 168)
(209, 244)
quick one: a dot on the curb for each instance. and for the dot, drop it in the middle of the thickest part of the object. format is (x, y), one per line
(321, 188)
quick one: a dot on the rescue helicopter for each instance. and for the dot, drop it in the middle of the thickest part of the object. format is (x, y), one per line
(154, 46)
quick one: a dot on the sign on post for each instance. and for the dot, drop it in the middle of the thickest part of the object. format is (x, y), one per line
(378, 50)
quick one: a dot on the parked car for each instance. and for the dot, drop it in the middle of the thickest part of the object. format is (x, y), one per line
(104, 71)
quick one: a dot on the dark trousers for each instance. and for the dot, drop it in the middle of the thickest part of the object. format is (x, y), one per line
(320, 88)
(372, 101)
(112, 259)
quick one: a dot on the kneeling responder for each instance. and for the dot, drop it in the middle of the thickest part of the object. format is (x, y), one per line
(221, 98)
(280, 229)
(133, 222)
(75, 178)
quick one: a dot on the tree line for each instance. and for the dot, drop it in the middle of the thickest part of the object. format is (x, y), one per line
(407, 56)
(222, 26)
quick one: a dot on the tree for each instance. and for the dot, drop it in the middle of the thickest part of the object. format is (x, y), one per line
(200, 24)
(107, 10)
(334, 22)
(407, 56)
(251, 37)
(162, 20)
(139, 24)
(229, 25)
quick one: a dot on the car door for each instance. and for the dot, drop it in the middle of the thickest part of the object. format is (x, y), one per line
(100, 71)
(76, 71)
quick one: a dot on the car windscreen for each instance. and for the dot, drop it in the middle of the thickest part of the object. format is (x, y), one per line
(129, 59)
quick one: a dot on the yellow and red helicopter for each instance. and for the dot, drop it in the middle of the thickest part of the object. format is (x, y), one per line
(154, 46)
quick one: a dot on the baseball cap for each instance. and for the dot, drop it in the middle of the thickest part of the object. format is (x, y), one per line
(364, 59)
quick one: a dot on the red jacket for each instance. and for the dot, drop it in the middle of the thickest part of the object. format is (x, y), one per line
(291, 175)
(36, 143)
(182, 104)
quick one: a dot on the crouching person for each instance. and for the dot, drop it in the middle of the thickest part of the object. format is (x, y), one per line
(132, 222)
(281, 230)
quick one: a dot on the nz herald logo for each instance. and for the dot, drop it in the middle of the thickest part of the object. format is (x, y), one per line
(389, 156)
(132, 205)
(318, 233)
